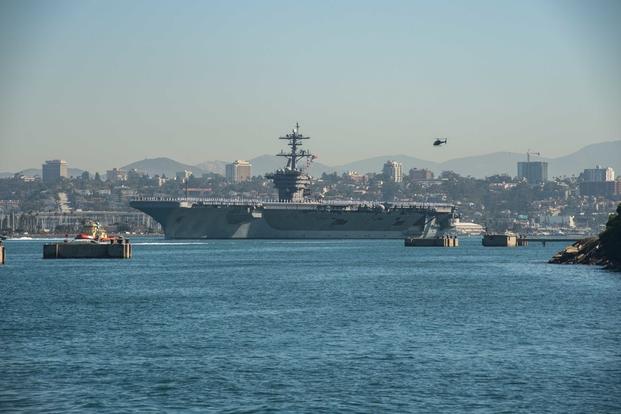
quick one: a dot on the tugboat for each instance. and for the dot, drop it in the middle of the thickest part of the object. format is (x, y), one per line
(93, 232)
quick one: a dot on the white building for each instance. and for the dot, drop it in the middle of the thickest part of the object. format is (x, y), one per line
(393, 171)
(468, 228)
(238, 171)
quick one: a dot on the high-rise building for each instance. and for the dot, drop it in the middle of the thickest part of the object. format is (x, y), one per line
(54, 170)
(238, 171)
(535, 172)
(598, 174)
(599, 182)
(393, 171)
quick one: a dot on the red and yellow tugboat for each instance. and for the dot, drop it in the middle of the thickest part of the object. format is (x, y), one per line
(93, 232)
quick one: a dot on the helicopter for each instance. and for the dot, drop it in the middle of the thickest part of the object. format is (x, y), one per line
(439, 141)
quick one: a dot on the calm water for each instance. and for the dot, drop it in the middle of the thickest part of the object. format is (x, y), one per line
(309, 326)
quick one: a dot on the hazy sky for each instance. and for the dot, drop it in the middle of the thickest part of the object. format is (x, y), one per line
(105, 83)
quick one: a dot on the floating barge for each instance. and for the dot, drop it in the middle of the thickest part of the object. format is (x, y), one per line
(446, 241)
(92, 243)
(119, 249)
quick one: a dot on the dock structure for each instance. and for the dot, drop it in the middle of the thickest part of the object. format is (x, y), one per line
(544, 240)
(512, 240)
(117, 249)
(446, 241)
(2, 256)
(500, 240)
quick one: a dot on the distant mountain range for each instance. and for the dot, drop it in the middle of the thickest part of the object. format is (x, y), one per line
(217, 167)
(162, 166)
(607, 154)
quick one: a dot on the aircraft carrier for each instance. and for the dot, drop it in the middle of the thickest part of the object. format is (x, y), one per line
(295, 215)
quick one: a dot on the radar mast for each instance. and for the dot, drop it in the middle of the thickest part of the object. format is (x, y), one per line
(295, 154)
(291, 182)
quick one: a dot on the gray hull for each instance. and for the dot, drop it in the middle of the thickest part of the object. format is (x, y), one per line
(181, 220)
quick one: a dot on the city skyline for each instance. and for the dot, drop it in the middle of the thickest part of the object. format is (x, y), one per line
(483, 165)
(105, 84)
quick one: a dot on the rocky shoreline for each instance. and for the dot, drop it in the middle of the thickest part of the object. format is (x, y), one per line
(604, 250)
(587, 251)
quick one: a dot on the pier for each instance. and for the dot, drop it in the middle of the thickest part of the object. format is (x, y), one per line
(544, 240)
(500, 240)
(512, 240)
(117, 249)
(446, 241)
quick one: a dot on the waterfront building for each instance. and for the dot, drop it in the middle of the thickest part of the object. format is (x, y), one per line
(556, 221)
(393, 171)
(534, 172)
(54, 170)
(468, 228)
(44, 222)
(238, 171)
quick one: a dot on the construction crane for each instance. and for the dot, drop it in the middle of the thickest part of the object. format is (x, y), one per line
(529, 153)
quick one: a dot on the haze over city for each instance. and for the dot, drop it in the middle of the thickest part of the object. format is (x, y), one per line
(102, 84)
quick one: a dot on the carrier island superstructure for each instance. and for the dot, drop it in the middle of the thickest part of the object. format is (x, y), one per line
(295, 215)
